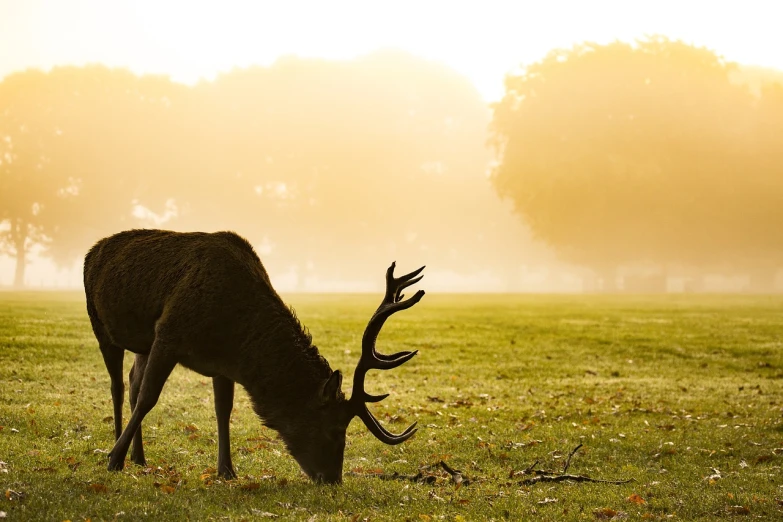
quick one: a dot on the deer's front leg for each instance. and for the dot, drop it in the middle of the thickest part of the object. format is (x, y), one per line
(224, 403)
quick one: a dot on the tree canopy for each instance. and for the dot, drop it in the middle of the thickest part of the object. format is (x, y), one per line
(342, 166)
(621, 153)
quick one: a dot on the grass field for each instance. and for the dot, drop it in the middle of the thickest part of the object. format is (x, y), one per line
(681, 394)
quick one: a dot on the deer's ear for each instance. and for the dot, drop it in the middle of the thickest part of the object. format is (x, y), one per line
(332, 388)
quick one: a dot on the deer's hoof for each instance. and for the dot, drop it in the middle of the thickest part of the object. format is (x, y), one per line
(115, 464)
(139, 459)
(227, 473)
(140, 462)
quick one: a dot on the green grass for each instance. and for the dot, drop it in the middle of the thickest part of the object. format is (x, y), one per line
(667, 391)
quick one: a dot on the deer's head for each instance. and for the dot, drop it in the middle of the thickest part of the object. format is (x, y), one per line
(317, 441)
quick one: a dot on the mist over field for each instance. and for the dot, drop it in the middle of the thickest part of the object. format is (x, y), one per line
(647, 164)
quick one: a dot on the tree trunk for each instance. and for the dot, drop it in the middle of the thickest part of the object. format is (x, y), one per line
(20, 240)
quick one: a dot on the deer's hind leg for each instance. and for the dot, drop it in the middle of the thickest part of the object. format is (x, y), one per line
(113, 357)
(160, 362)
(136, 376)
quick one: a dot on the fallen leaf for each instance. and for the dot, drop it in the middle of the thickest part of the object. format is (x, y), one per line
(3, 514)
(167, 489)
(636, 499)
(604, 513)
(763, 458)
(425, 517)
(98, 488)
(250, 486)
(547, 500)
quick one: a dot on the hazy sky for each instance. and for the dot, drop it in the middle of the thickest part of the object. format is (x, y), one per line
(482, 39)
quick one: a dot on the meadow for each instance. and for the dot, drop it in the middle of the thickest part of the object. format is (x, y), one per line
(681, 396)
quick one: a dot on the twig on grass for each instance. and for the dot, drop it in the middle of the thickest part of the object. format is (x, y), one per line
(456, 475)
(576, 478)
(568, 460)
(424, 476)
(549, 476)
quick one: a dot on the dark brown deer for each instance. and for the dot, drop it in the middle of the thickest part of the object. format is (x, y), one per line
(204, 300)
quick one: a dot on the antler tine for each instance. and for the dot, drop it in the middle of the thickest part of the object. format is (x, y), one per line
(371, 359)
(382, 433)
(395, 285)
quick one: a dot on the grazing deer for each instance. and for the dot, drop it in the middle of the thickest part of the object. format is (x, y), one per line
(204, 300)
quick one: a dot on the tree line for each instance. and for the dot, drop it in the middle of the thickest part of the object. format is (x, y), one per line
(611, 154)
(341, 166)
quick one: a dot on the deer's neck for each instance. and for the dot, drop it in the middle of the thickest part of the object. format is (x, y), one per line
(287, 371)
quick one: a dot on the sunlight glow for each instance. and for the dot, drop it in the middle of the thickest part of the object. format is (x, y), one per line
(482, 40)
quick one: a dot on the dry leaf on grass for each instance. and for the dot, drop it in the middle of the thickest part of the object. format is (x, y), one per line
(636, 499)
(98, 488)
(609, 514)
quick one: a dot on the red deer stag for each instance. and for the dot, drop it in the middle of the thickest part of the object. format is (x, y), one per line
(204, 300)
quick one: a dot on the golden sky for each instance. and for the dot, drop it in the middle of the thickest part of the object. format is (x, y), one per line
(482, 39)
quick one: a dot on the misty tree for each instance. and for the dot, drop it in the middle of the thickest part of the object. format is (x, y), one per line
(621, 153)
(78, 146)
(338, 163)
(28, 183)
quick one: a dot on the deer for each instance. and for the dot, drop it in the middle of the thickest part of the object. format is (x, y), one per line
(205, 301)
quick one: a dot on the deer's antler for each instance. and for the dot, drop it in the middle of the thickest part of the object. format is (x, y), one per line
(371, 359)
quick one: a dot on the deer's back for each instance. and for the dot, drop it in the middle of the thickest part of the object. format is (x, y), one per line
(202, 286)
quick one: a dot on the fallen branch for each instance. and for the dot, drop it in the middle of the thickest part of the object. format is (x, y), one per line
(418, 477)
(424, 476)
(563, 477)
(456, 475)
(427, 474)
(540, 475)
